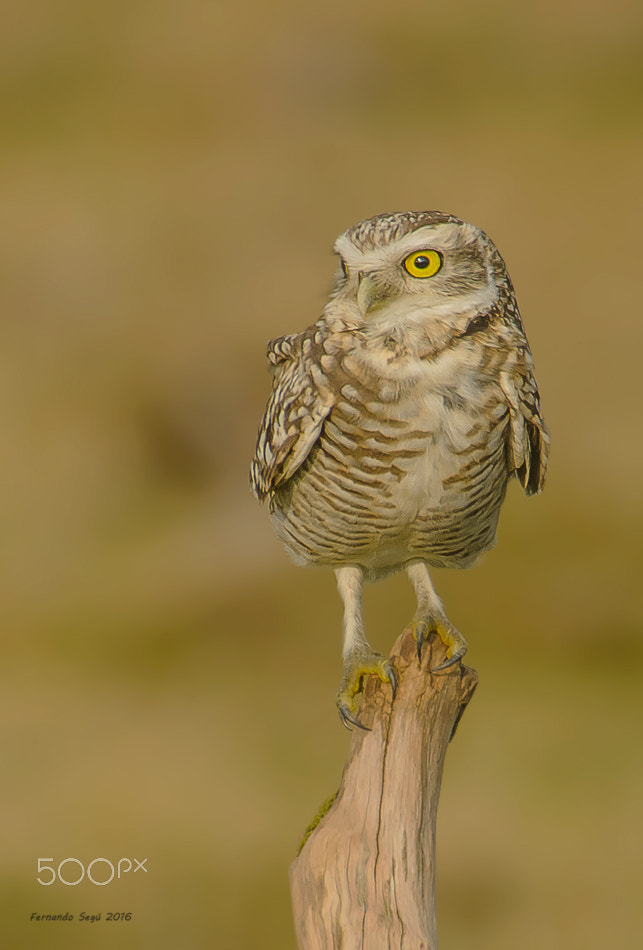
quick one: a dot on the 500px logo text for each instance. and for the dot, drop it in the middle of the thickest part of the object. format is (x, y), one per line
(100, 871)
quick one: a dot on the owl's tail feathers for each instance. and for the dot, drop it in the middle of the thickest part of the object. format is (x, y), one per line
(531, 474)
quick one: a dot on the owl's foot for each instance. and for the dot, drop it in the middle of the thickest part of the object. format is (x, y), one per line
(357, 667)
(452, 639)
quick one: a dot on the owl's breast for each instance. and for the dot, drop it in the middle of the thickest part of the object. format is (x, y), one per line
(404, 467)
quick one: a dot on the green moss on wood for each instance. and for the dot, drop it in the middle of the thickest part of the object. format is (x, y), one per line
(324, 809)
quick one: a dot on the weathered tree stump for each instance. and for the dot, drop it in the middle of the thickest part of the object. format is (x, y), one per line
(365, 877)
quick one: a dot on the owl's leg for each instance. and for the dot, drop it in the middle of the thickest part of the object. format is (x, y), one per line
(431, 618)
(359, 658)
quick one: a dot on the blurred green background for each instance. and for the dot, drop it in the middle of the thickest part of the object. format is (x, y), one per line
(173, 177)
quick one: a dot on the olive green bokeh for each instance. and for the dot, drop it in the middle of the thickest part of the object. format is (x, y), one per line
(173, 177)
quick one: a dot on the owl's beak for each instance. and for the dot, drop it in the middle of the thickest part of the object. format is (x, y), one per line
(369, 295)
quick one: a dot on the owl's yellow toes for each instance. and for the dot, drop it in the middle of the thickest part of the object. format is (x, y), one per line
(356, 668)
(453, 640)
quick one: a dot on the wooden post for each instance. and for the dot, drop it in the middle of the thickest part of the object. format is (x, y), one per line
(365, 877)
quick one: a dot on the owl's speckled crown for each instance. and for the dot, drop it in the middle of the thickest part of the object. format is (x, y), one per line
(384, 228)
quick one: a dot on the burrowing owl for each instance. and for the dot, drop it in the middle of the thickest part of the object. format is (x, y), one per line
(395, 421)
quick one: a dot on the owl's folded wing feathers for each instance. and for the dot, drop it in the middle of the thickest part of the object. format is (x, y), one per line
(528, 436)
(298, 404)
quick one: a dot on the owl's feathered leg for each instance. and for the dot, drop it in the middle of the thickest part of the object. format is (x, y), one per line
(431, 618)
(359, 658)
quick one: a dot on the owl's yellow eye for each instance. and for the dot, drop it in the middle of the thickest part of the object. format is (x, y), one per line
(423, 263)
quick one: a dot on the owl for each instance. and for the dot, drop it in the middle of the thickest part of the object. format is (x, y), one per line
(396, 421)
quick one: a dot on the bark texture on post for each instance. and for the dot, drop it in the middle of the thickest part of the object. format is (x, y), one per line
(365, 878)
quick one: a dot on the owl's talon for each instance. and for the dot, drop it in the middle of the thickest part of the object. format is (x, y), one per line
(453, 640)
(450, 661)
(348, 719)
(393, 681)
(357, 667)
(421, 631)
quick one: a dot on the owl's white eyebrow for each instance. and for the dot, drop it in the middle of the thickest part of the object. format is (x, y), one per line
(442, 237)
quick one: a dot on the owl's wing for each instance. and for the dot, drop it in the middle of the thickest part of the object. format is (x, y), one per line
(528, 435)
(298, 404)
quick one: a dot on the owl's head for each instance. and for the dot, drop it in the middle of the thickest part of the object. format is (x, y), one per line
(398, 264)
